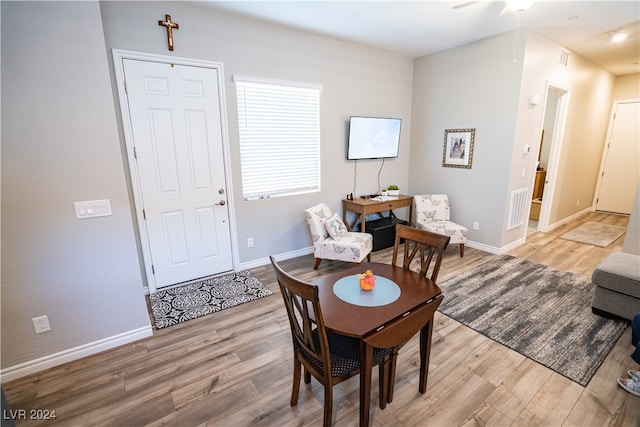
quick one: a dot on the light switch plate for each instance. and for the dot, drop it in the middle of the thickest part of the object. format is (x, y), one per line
(93, 208)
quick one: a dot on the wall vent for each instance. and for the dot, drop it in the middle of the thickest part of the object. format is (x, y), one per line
(564, 57)
(518, 208)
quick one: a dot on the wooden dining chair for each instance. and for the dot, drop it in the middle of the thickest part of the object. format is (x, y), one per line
(331, 358)
(431, 247)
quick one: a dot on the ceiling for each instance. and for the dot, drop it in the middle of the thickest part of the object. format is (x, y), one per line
(417, 28)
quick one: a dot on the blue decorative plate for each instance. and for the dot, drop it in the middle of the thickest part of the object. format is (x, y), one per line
(348, 290)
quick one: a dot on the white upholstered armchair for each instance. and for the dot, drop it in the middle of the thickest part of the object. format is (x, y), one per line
(433, 214)
(332, 240)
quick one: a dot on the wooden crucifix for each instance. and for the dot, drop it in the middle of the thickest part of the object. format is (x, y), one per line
(170, 27)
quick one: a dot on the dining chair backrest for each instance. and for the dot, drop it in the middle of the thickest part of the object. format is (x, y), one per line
(430, 245)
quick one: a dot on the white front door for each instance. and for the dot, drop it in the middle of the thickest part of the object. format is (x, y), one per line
(621, 169)
(176, 124)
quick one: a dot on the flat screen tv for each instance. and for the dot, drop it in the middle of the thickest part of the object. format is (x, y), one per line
(373, 138)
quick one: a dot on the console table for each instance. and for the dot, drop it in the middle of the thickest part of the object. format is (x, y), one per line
(363, 207)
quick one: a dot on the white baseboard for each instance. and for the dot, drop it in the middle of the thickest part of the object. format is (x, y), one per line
(482, 247)
(260, 262)
(305, 251)
(493, 249)
(512, 245)
(280, 257)
(568, 219)
(42, 363)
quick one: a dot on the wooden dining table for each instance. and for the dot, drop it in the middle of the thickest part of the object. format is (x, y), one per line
(383, 326)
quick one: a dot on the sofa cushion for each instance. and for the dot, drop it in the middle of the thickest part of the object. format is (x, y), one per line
(619, 272)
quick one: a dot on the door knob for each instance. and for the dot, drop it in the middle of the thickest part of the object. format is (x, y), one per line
(221, 203)
(221, 191)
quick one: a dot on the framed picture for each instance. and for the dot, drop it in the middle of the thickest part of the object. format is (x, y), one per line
(458, 148)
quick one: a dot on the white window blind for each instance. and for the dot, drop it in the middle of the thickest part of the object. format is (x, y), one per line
(279, 127)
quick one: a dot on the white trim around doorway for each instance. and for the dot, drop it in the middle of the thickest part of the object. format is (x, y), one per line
(554, 153)
(118, 57)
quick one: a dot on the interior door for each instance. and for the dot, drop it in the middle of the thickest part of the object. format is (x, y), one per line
(621, 169)
(176, 124)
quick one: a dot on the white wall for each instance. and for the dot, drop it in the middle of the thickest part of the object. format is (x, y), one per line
(551, 109)
(62, 142)
(590, 99)
(59, 145)
(627, 87)
(473, 86)
(356, 81)
(480, 86)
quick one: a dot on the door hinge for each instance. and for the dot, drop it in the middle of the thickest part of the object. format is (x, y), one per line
(126, 89)
(153, 270)
(135, 153)
(144, 215)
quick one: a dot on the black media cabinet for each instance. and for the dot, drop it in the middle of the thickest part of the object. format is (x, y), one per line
(383, 231)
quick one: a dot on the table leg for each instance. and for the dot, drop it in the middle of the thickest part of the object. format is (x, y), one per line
(366, 365)
(392, 376)
(353, 224)
(425, 351)
(410, 219)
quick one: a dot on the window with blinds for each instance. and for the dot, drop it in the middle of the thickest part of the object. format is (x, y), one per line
(279, 125)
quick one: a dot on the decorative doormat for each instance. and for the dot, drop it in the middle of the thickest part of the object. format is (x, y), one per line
(172, 306)
(595, 233)
(540, 312)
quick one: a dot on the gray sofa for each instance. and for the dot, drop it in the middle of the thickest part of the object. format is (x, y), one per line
(617, 278)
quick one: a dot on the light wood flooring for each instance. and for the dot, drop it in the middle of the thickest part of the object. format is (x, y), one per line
(234, 368)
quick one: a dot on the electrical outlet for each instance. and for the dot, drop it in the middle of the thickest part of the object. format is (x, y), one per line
(41, 324)
(476, 225)
(250, 242)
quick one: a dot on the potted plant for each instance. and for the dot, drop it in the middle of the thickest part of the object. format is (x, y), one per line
(393, 190)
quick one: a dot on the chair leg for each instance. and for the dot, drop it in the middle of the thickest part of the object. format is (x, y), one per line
(328, 405)
(295, 390)
(369, 257)
(307, 377)
(317, 264)
(461, 250)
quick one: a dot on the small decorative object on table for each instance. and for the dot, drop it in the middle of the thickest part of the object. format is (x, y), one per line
(393, 190)
(367, 280)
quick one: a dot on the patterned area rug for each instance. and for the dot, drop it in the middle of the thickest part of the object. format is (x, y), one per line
(540, 312)
(182, 303)
(595, 233)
